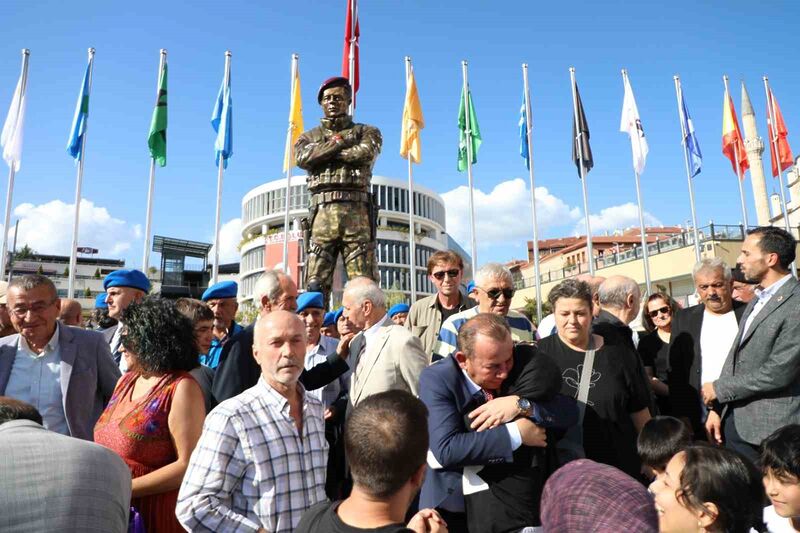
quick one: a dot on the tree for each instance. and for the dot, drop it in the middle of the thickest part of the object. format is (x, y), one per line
(66, 271)
(25, 252)
(247, 314)
(394, 295)
(152, 271)
(87, 293)
(530, 309)
(97, 274)
(40, 270)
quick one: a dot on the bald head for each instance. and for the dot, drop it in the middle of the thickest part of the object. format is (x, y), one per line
(279, 347)
(71, 312)
(594, 283)
(620, 295)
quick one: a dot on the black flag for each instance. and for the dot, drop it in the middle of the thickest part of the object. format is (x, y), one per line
(581, 136)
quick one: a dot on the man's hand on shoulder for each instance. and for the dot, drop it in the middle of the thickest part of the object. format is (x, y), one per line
(495, 412)
(427, 521)
(532, 435)
(343, 349)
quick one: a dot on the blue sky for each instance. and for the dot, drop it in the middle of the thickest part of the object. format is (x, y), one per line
(654, 41)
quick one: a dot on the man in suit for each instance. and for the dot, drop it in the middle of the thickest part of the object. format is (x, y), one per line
(123, 287)
(759, 387)
(384, 356)
(503, 463)
(51, 482)
(619, 298)
(238, 370)
(701, 337)
(66, 373)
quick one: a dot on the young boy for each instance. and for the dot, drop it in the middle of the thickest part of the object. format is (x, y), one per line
(660, 439)
(780, 464)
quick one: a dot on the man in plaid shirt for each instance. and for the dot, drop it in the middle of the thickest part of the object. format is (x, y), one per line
(261, 460)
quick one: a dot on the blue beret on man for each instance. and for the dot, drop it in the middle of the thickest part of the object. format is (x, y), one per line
(309, 300)
(398, 308)
(100, 301)
(337, 315)
(329, 320)
(223, 289)
(470, 286)
(127, 278)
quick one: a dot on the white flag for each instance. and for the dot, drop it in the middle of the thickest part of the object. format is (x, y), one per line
(11, 138)
(632, 125)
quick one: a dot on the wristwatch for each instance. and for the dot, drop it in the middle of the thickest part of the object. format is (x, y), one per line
(525, 407)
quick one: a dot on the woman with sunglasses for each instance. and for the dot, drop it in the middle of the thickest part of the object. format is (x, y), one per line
(155, 416)
(605, 377)
(653, 347)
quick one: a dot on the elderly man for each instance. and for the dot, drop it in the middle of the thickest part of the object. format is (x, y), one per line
(122, 287)
(329, 328)
(260, 461)
(6, 327)
(100, 318)
(398, 313)
(619, 298)
(494, 288)
(384, 356)
(238, 371)
(743, 288)
(221, 298)
(425, 318)
(701, 337)
(66, 373)
(71, 313)
(758, 388)
(548, 325)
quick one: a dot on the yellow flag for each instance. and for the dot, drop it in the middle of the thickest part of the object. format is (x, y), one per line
(295, 123)
(410, 142)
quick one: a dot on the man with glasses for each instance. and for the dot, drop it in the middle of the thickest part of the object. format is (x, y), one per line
(494, 289)
(700, 340)
(66, 373)
(445, 269)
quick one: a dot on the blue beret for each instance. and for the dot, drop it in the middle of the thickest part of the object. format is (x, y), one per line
(337, 315)
(470, 286)
(329, 320)
(100, 301)
(223, 289)
(308, 300)
(398, 308)
(127, 278)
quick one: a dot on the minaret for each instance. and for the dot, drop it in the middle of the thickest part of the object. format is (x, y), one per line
(755, 149)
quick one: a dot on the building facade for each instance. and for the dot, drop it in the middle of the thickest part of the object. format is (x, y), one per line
(263, 211)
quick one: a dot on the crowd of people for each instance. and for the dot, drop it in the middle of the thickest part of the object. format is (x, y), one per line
(454, 413)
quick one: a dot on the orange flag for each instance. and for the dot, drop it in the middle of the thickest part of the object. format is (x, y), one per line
(732, 138)
(779, 139)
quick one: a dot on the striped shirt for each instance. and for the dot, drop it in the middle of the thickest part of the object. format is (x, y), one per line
(521, 330)
(251, 468)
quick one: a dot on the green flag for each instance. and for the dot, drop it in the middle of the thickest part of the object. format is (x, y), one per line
(474, 134)
(157, 138)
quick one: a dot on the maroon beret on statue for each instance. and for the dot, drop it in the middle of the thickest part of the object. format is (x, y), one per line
(336, 81)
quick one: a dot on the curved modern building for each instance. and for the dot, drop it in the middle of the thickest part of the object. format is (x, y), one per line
(263, 210)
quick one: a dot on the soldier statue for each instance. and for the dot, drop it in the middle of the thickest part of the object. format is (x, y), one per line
(343, 213)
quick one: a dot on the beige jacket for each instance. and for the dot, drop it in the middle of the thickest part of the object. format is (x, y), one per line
(424, 320)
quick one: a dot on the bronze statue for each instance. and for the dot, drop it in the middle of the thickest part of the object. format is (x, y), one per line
(343, 213)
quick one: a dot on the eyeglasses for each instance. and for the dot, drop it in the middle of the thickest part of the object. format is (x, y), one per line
(494, 294)
(452, 273)
(36, 309)
(662, 310)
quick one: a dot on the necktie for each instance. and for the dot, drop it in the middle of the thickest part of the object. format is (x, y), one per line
(488, 395)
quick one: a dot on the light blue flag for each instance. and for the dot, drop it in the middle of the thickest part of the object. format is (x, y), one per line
(692, 146)
(79, 121)
(222, 122)
(523, 134)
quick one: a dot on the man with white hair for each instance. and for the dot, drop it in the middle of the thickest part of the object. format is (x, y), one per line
(238, 371)
(494, 288)
(619, 298)
(384, 356)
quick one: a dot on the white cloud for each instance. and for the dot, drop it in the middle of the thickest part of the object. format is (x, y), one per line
(230, 235)
(617, 217)
(503, 216)
(47, 228)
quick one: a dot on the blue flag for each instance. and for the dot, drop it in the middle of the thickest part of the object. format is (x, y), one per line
(692, 146)
(523, 134)
(79, 121)
(222, 122)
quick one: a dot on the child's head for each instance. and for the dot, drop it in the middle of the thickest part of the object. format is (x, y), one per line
(780, 464)
(660, 439)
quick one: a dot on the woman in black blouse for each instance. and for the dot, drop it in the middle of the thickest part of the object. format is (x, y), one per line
(653, 348)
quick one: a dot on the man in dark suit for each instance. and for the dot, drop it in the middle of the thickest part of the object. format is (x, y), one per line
(491, 386)
(759, 387)
(123, 287)
(66, 373)
(238, 370)
(701, 338)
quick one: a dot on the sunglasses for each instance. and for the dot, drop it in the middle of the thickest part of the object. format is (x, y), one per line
(663, 310)
(494, 294)
(453, 273)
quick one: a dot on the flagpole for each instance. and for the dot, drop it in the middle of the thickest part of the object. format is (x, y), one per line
(579, 134)
(73, 253)
(468, 135)
(289, 165)
(11, 171)
(152, 186)
(351, 56)
(773, 146)
(642, 230)
(412, 245)
(220, 174)
(739, 173)
(529, 130)
(684, 133)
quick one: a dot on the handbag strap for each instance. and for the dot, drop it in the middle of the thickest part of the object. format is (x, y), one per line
(586, 380)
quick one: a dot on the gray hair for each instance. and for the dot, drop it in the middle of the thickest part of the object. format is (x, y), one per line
(269, 285)
(493, 271)
(615, 290)
(31, 281)
(712, 263)
(363, 288)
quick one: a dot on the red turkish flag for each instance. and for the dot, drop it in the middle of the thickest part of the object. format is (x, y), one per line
(780, 140)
